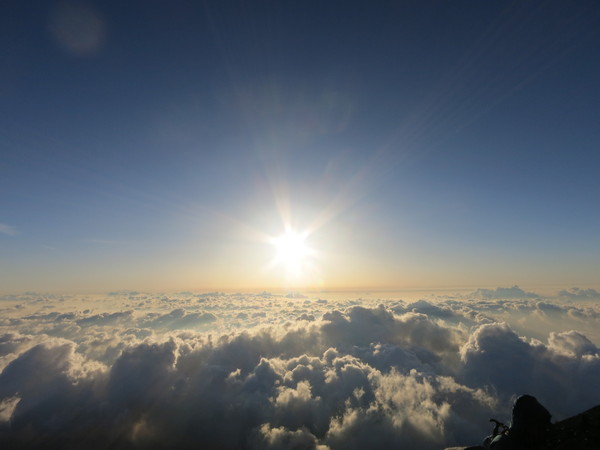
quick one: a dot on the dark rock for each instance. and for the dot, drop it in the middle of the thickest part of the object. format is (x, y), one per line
(581, 432)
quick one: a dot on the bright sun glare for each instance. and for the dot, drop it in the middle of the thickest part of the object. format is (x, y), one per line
(291, 251)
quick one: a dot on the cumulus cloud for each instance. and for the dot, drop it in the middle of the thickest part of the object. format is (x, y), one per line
(580, 294)
(265, 371)
(178, 319)
(496, 356)
(502, 292)
(281, 437)
(431, 310)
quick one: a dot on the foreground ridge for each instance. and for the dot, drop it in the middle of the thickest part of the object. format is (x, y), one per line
(580, 432)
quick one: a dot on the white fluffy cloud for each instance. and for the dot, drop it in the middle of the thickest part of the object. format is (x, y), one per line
(133, 370)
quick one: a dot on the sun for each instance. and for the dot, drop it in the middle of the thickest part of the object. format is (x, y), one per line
(291, 251)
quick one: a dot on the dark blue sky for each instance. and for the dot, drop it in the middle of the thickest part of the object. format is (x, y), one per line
(423, 143)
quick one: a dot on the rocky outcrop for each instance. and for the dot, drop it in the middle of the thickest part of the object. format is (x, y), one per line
(580, 432)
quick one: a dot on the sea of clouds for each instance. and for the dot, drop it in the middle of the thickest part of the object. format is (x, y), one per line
(134, 370)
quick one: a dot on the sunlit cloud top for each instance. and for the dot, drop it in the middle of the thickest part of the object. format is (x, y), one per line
(134, 369)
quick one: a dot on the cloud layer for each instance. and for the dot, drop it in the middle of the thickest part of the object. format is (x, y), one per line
(133, 370)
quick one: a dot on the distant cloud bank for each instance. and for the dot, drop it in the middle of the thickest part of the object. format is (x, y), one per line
(512, 292)
(580, 294)
(134, 370)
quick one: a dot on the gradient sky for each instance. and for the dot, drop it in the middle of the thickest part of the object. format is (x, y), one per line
(158, 145)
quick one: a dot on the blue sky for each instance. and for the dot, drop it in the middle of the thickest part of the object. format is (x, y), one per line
(153, 145)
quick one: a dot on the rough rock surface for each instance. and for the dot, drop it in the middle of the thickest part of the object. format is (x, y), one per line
(580, 432)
